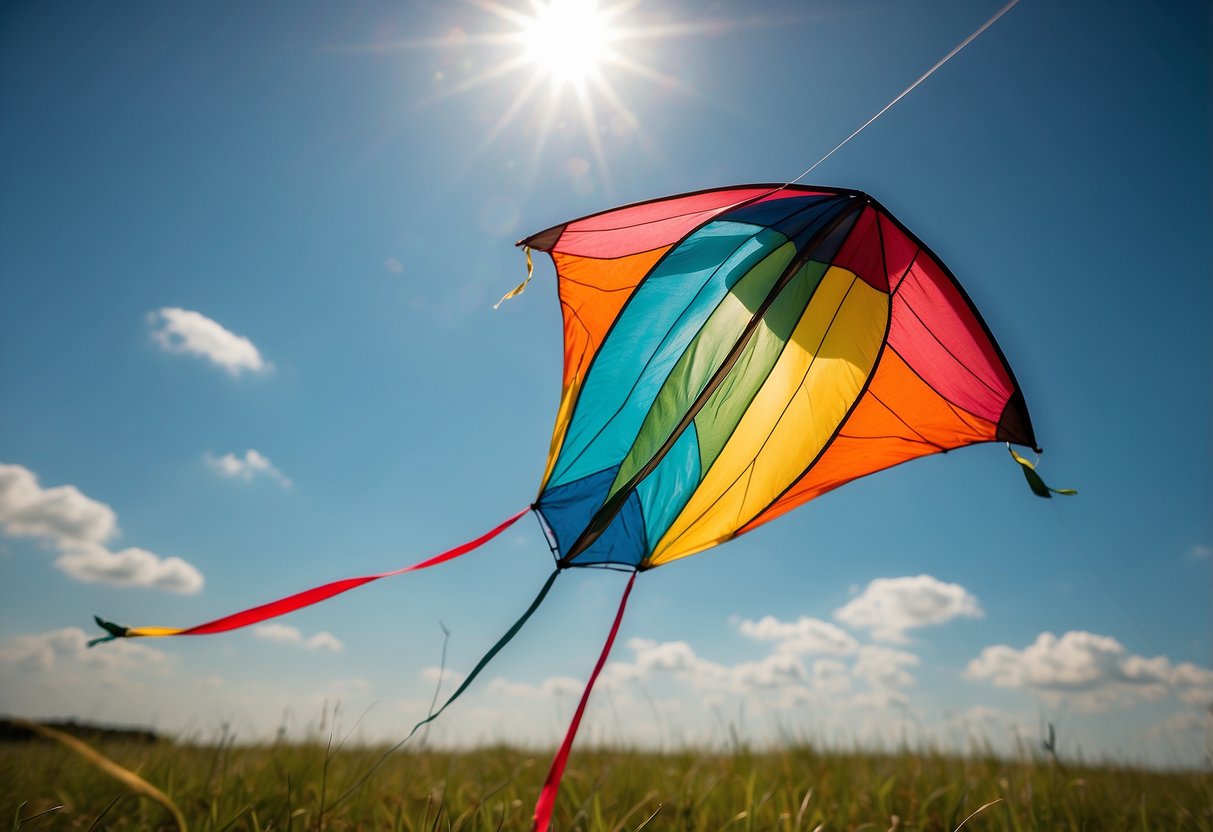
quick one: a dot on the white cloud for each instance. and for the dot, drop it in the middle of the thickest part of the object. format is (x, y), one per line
(286, 634)
(881, 700)
(1200, 552)
(552, 686)
(77, 526)
(883, 668)
(282, 633)
(130, 567)
(252, 464)
(669, 655)
(179, 330)
(778, 670)
(1193, 684)
(804, 635)
(324, 640)
(59, 657)
(831, 676)
(61, 514)
(675, 658)
(1077, 661)
(1090, 671)
(888, 607)
(393, 265)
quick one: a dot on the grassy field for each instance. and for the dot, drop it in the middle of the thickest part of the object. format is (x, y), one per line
(311, 787)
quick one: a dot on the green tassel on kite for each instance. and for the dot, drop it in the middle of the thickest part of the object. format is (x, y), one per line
(1038, 486)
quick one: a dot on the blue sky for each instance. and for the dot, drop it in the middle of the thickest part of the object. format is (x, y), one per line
(249, 257)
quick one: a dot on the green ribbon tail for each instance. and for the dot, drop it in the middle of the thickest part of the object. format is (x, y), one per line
(488, 657)
(114, 630)
(1038, 485)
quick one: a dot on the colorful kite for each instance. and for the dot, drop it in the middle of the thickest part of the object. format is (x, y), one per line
(732, 354)
(728, 355)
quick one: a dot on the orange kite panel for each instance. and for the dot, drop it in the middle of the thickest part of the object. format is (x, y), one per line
(877, 435)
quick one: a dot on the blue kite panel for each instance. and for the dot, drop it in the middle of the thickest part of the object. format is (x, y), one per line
(800, 219)
(568, 509)
(664, 492)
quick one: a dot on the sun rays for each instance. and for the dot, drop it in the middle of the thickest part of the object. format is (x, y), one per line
(587, 69)
(570, 56)
(568, 64)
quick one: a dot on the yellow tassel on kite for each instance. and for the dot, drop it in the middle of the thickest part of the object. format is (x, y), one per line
(521, 287)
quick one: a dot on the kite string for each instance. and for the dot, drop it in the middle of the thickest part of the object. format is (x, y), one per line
(910, 88)
(1124, 608)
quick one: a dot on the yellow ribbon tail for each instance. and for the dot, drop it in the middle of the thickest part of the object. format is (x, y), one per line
(148, 632)
(118, 631)
(521, 287)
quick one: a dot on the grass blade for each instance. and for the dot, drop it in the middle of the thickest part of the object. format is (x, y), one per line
(123, 775)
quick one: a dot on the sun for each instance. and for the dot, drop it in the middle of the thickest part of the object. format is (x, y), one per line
(568, 40)
(567, 61)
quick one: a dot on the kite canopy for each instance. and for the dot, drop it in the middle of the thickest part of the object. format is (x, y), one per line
(730, 354)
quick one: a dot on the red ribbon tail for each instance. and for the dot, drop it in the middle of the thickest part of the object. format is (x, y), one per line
(321, 593)
(307, 597)
(551, 786)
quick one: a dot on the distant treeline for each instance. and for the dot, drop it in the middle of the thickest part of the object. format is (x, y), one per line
(13, 731)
